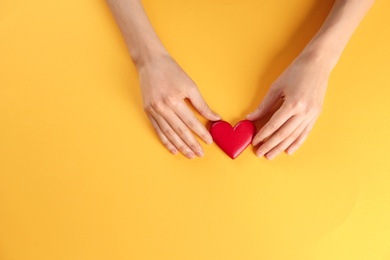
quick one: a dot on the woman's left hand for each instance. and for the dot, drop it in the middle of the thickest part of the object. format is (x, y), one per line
(301, 88)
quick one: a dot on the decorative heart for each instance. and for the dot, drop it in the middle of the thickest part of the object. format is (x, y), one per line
(233, 141)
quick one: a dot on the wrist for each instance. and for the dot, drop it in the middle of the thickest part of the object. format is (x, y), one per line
(147, 54)
(322, 56)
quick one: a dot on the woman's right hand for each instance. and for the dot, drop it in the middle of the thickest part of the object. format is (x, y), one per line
(165, 86)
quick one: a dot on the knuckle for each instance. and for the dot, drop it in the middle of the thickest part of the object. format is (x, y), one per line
(294, 136)
(306, 107)
(181, 131)
(300, 105)
(191, 124)
(182, 148)
(271, 127)
(193, 146)
(281, 134)
(171, 101)
(148, 108)
(310, 108)
(157, 105)
(168, 132)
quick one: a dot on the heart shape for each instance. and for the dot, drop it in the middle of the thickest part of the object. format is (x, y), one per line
(233, 141)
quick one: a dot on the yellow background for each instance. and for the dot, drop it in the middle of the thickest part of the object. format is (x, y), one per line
(83, 176)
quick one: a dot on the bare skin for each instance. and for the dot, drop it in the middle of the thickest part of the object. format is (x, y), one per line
(301, 87)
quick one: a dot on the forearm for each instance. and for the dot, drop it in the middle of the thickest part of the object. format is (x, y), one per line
(329, 42)
(138, 33)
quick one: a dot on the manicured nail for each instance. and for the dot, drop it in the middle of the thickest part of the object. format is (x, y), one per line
(260, 154)
(270, 156)
(290, 151)
(173, 151)
(209, 141)
(199, 153)
(190, 155)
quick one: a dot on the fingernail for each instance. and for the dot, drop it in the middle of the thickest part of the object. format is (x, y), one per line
(190, 155)
(173, 151)
(260, 154)
(290, 152)
(209, 140)
(199, 153)
(270, 156)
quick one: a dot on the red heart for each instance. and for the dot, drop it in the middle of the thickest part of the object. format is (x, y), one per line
(233, 141)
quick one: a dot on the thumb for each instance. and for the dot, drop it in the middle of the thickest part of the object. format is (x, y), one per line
(200, 105)
(270, 99)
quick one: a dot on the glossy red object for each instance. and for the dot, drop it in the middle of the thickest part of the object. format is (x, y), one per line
(233, 141)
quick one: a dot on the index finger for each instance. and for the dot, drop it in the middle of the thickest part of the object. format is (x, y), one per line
(192, 122)
(277, 120)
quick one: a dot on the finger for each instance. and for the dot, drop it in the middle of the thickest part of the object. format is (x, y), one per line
(277, 120)
(282, 146)
(201, 106)
(301, 139)
(268, 102)
(183, 132)
(173, 137)
(280, 135)
(186, 115)
(168, 144)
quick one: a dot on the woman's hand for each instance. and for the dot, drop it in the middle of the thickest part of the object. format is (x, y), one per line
(301, 88)
(165, 86)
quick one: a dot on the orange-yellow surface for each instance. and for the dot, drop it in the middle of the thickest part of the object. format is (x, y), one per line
(83, 176)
